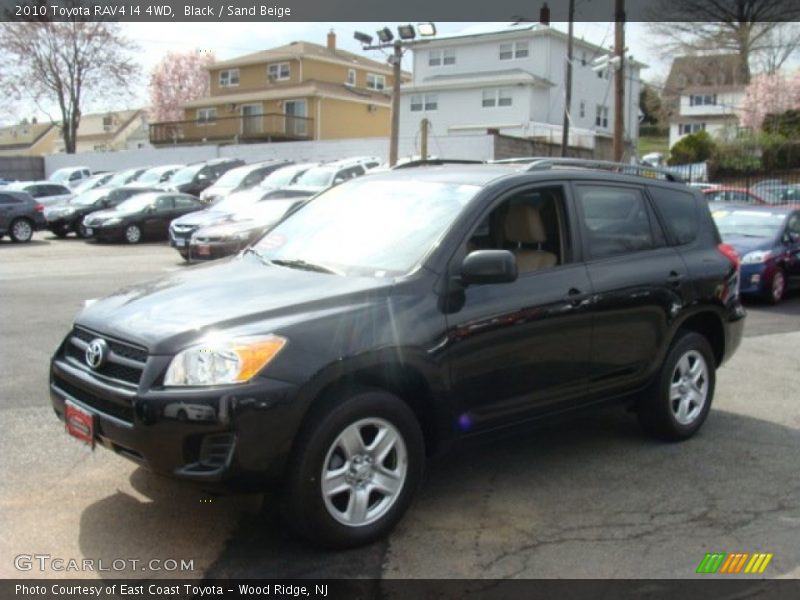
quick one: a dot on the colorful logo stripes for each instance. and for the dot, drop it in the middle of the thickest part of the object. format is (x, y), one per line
(735, 563)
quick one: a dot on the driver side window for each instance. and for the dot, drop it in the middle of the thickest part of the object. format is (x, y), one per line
(163, 203)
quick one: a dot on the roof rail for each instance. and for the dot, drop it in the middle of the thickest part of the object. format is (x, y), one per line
(432, 162)
(542, 163)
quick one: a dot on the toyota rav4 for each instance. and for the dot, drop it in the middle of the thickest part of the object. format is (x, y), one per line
(400, 312)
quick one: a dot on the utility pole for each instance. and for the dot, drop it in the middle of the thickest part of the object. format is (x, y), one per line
(619, 79)
(397, 59)
(568, 81)
(423, 139)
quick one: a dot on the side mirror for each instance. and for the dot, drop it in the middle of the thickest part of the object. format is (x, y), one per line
(338, 180)
(488, 266)
(202, 177)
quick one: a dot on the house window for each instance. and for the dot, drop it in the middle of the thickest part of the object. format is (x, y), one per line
(351, 77)
(427, 102)
(583, 109)
(515, 50)
(583, 59)
(600, 74)
(601, 116)
(108, 123)
(229, 78)
(687, 128)
(506, 51)
(206, 115)
(278, 71)
(437, 58)
(496, 97)
(521, 50)
(376, 82)
(702, 100)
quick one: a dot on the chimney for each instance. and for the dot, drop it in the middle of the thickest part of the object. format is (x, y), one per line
(544, 14)
(331, 41)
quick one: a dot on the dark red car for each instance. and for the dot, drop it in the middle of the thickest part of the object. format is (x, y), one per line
(733, 194)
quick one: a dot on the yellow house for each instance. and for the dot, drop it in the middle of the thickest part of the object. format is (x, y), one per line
(28, 139)
(300, 91)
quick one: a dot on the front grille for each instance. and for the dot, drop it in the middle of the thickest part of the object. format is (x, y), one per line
(124, 412)
(183, 231)
(124, 363)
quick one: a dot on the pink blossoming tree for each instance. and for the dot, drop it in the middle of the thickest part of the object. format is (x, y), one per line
(179, 78)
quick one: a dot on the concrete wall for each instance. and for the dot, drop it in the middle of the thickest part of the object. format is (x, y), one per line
(22, 168)
(477, 147)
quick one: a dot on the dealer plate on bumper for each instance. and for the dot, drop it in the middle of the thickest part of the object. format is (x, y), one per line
(79, 423)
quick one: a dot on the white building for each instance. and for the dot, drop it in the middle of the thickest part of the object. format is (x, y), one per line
(704, 93)
(513, 81)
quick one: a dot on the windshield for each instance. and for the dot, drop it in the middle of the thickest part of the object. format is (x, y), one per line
(748, 223)
(235, 203)
(136, 203)
(233, 177)
(370, 227)
(87, 198)
(317, 177)
(60, 175)
(121, 178)
(186, 174)
(152, 176)
(281, 177)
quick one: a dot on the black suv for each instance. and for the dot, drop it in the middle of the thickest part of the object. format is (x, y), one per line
(397, 313)
(196, 177)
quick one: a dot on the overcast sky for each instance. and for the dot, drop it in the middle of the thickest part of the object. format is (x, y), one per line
(228, 40)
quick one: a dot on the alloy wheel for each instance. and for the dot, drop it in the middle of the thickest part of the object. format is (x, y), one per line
(133, 234)
(688, 390)
(22, 230)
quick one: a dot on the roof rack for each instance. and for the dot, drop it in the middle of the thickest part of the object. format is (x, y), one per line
(437, 161)
(541, 163)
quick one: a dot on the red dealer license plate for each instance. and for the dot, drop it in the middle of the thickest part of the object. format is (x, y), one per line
(80, 423)
(203, 250)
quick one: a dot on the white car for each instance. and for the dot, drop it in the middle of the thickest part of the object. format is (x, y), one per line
(46, 193)
(70, 176)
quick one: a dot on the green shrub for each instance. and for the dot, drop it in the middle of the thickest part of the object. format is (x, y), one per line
(693, 148)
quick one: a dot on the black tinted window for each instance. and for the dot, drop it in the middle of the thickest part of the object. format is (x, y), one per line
(679, 212)
(7, 199)
(615, 220)
(184, 202)
(163, 203)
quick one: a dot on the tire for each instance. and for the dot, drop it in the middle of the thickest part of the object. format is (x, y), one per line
(60, 233)
(132, 234)
(343, 437)
(21, 230)
(676, 404)
(777, 287)
(81, 232)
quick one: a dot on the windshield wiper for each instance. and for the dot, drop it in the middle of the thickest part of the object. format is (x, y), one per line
(252, 250)
(304, 265)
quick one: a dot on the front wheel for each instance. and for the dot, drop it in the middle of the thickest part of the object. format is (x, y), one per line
(83, 231)
(355, 469)
(676, 404)
(133, 234)
(777, 288)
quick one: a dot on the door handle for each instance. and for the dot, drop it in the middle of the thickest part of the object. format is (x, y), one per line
(576, 297)
(675, 278)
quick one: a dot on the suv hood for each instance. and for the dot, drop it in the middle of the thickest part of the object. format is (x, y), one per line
(242, 295)
(201, 218)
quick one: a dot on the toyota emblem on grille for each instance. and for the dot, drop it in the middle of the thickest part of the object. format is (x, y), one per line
(96, 353)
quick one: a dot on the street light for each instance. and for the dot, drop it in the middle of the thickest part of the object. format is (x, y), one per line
(406, 34)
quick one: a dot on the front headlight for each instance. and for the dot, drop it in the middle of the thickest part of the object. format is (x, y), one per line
(222, 361)
(757, 256)
(112, 221)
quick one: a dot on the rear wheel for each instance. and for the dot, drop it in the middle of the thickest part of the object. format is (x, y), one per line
(133, 234)
(21, 230)
(676, 404)
(83, 231)
(356, 467)
(777, 288)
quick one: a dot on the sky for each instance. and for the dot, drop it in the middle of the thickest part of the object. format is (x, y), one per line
(228, 40)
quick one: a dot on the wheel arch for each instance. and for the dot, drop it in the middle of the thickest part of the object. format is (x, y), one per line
(708, 324)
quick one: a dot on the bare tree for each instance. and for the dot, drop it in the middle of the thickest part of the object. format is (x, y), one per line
(66, 64)
(779, 45)
(743, 27)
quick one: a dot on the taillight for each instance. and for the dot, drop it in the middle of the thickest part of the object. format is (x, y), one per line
(730, 253)
(39, 207)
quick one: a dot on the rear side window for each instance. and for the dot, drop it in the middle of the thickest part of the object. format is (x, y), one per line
(184, 202)
(615, 220)
(7, 199)
(679, 212)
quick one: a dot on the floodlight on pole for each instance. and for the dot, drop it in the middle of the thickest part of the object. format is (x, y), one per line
(385, 35)
(365, 39)
(406, 32)
(426, 29)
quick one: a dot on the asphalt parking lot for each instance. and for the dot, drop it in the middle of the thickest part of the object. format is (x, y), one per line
(589, 498)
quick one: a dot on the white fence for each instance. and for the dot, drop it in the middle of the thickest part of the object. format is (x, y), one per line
(475, 147)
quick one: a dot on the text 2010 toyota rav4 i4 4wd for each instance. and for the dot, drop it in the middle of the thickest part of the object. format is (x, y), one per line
(401, 311)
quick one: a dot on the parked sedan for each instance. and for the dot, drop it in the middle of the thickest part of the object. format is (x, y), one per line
(733, 194)
(768, 240)
(196, 177)
(321, 178)
(122, 177)
(95, 181)
(281, 178)
(68, 217)
(218, 241)
(156, 175)
(46, 193)
(240, 178)
(144, 216)
(20, 215)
